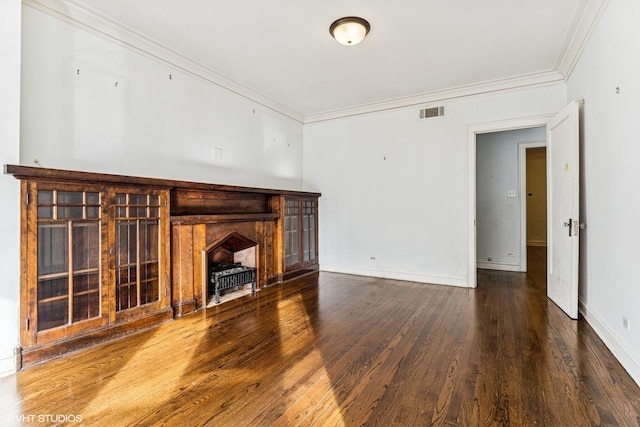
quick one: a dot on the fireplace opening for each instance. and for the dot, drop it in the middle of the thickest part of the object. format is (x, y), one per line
(230, 266)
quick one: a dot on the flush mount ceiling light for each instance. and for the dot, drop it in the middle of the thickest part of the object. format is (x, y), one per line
(349, 31)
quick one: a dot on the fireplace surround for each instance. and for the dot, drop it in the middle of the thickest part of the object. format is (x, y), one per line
(251, 227)
(201, 240)
(230, 264)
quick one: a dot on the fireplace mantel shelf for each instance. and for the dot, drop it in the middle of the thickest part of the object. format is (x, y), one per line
(212, 219)
(30, 172)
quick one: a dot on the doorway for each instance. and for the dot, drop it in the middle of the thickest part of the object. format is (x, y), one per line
(534, 185)
(473, 132)
(564, 223)
(501, 198)
(532, 158)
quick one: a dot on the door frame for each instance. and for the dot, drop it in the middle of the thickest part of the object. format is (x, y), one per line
(522, 175)
(472, 131)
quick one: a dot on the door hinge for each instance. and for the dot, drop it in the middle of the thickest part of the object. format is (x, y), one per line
(28, 322)
(28, 198)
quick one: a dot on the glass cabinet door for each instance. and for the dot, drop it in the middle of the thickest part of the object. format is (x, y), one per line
(69, 286)
(300, 232)
(137, 250)
(97, 259)
(291, 233)
(308, 230)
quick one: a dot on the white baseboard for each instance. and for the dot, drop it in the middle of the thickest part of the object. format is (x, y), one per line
(7, 364)
(489, 265)
(397, 275)
(629, 361)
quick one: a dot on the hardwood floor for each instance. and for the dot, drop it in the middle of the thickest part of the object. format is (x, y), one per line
(331, 349)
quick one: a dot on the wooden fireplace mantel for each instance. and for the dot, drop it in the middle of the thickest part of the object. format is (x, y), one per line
(189, 218)
(31, 172)
(212, 219)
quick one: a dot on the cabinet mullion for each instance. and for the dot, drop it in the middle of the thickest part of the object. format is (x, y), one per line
(70, 270)
(138, 266)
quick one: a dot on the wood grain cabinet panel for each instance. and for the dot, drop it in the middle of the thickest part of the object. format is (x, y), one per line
(104, 255)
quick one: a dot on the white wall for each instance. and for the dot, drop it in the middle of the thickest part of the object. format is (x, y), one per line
(498, 217)
(147, 125)
(74, 116)
(394, 188)
(610, 249)
(10, 11)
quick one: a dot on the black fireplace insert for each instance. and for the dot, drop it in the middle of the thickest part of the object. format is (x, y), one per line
(228, 275)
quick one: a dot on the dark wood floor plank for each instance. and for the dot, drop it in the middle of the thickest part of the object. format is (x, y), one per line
(339, 350)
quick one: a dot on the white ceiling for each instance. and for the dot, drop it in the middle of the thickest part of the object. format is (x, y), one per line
(280, 53)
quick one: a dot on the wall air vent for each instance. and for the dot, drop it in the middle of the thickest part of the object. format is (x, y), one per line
(427, 113)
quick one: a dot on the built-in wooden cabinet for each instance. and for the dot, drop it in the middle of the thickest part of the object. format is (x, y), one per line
(65, 285)
(95, 262)
(300, 233)
(103, 255)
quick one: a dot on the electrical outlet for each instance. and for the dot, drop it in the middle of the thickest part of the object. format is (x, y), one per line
(511, 253)
(373, 258)
(626, 323)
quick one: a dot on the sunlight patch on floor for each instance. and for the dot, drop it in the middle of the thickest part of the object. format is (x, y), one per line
(306, 394)
(295, 320)
(120, 395)
(313, 392)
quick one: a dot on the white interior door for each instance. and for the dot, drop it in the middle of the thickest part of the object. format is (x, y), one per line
(563, 225)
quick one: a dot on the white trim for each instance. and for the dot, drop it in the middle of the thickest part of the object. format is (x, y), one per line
(82, 16)
(613, 341)
(578, 35)
(92, 21)
(472, 131)
(7, 364)
(489, 265)
(522, 177)
(545, 78)
(396, 275)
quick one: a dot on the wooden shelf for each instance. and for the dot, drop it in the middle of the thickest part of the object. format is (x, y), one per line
(29, 172)
(212, 219)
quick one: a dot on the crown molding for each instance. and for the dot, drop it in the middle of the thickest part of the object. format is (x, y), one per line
(544, 78)
(98, 24)
(81, 16)
(578, 36)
